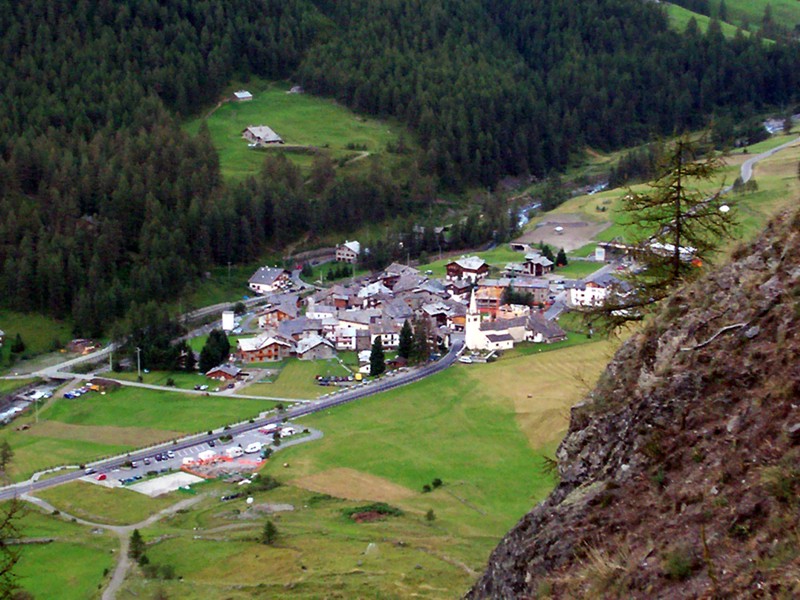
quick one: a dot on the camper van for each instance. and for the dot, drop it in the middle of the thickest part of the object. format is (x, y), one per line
(234, 452)
(253, 448)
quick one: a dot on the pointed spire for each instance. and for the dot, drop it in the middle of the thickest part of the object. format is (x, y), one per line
(473, 307)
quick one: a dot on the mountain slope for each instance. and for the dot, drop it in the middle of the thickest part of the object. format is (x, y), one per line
(680, 474)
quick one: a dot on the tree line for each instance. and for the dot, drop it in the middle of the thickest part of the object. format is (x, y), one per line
(106, 204)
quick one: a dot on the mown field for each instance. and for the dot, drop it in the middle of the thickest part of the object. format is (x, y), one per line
(297, 379)
(301, 120)
(72, 566)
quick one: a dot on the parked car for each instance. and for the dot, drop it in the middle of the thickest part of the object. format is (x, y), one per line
(147, 461)
(170, 454)
(212, 443)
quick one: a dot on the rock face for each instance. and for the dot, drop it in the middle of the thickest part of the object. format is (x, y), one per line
(680, 473)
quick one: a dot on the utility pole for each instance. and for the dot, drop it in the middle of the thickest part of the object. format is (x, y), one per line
(229, 272)
(139, 362)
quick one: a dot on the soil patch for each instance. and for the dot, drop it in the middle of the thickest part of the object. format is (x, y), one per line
(368, 517)
(353, 485)
(573, 233)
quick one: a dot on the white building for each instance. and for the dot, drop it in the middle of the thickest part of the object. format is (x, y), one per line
(348, 252)
(242, 96)
(228, 320)
(268, 279)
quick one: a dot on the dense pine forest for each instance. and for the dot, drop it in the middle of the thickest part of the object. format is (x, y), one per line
(105, 205)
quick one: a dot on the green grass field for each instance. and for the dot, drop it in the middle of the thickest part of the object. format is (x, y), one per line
(39, 333)
(181, 379)
(296, 379)
(301, 120)
(785, 13)
(138, 407)
(100, 504)
(70, 567)
(679, 18)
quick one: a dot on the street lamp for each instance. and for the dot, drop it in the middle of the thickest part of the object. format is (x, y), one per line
(139, 362)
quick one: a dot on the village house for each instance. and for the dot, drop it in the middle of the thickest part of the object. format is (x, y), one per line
(348, 252)
(389, 334)
(302, 327)
(224, 373)
(595, 292)
(459, 288)
(471, 268)
(262, 348)
(319, 311)
(315, 347)
(539, 289)
(261, 135)
(242, 96)
(275, 313)
(394, 271)
(269, 279)
(542, 331)
(537, 265)
(489, 294)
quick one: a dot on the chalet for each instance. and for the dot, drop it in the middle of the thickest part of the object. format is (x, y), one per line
(274, 314)
(261, 135)
(224, 373)
(319, 311)
(348, 252)
(393, 272)
(242, 96)
(269, 279)
(315, 347)
(389, 334)
(542, 331)
(360, 319)
(537, 265)
(263, 348)
(514, 270)
(459, 288)
(302, 327)
(472, 268)
(344, 338)
(437, 312)
(595, 292)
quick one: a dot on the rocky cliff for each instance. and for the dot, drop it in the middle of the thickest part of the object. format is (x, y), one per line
(680, 473)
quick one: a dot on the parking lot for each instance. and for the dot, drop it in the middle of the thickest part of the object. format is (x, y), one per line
(167, 461)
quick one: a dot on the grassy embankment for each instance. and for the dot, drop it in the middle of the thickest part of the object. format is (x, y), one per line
(40, 334)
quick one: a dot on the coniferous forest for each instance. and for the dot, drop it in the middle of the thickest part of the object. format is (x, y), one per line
(106, 205)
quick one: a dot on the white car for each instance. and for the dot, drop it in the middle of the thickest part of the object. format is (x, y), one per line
(465, 359)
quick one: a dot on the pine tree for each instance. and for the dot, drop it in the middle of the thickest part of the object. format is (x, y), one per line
(136, 545)
(406, 341)
(377, 359)
(681, 227)
(561, 258)
(269, 534)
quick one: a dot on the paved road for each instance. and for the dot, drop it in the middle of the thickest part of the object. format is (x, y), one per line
(337, 399)
(747, 166)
